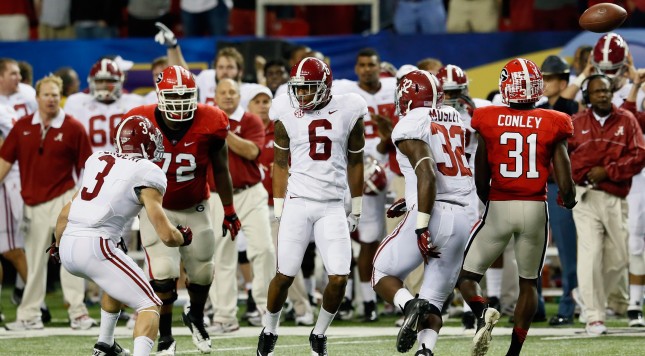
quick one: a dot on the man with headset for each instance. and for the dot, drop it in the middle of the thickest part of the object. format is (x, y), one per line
(603, 183)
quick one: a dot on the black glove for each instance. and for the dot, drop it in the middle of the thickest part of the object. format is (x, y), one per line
(53, 252)
(562, 204)
(187, 233)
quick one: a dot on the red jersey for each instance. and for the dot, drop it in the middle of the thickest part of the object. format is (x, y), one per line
(244, 173)
(266, 159)
(520, 147)
(186, 160)
(618, 146)
(46, 164)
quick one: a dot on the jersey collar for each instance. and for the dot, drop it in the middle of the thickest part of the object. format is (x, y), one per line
(56, 123)
(237, 114)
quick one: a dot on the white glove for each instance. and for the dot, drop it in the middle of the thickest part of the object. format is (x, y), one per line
(352, 222)
(278, 204)
(165, 36)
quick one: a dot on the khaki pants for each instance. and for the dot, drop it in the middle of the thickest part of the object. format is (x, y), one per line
(46, 32)
(472, 16)
(38, 226)
(601, 224)
(252, 209)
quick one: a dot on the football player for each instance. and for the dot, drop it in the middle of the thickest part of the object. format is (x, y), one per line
(429, 139)
(103, 107)
(511, 169)
(21, 97)
(115, 186)
(194, 140)
(323, 138)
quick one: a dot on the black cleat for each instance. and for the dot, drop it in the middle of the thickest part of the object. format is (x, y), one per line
(413, 310)
(318, 344)
(166, 345)
(103, 349)
(201, 339)
(266, 344)
(346, 310)
(468, 320)
(424, 351)
(560, 321)
(493, 302)
(370, 313)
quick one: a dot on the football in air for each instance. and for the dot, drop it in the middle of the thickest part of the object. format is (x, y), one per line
(603, 17)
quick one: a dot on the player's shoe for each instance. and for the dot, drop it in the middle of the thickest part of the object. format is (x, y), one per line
(307, 319)
(424, 351)
(83, 322)
(468, 320)
(485, 325)
(266, 344)
(318, 344)
(103, 349)
(346, 310)
(636, 318)
(596, 328)
(369, 312)
(413, 310)
(201, 339)
(166, 346)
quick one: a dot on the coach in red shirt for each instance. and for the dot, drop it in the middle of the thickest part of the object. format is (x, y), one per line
(245, 139)
(51, 147)
(606, 150)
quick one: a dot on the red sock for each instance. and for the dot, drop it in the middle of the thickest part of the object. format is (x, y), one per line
(521, 334)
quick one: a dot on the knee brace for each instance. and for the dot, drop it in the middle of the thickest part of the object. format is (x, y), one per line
(166, 289)
(198, 288)
(469, 277)
(242, 257)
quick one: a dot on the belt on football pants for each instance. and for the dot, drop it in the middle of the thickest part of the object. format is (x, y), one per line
(453, 202)
(243, 188)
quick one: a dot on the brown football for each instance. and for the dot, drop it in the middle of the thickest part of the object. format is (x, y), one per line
(603, 17)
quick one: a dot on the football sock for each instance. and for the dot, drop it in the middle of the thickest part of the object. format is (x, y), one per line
(517, 340)
(369, 295)
(106, 329)
(477, 305)
(402, 297)
(349, 289)
(427, 337)
(494, 282)
(142, 346)
(271, 321)
(635, 294)
(165, 324)
(324, 320)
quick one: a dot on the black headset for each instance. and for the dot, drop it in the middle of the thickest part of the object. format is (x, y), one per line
(585, 85)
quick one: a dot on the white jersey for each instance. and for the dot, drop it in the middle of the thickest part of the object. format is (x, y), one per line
(206, 86)
(100, 119)
(107, 199)
(436, 127)
(8, 117)
(23, 101)
(318, 145)
(150, 98)
(381, 102)
(471, 139)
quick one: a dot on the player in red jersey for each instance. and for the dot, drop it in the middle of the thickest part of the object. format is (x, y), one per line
(516, 147)
(194, 137)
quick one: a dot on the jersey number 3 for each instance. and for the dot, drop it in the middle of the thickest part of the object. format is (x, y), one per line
(100, 179)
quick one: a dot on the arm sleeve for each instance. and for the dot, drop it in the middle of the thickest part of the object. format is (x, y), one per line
(411, 127)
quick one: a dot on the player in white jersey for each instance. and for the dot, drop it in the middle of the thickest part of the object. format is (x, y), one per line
(101, 110)
(429, 141)
(379, 95)
(21, 97)
(324, 137)
(115, 186)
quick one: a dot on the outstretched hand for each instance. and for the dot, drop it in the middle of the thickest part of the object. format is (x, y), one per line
(165, 36)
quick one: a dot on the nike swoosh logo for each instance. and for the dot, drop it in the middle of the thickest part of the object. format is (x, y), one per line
(186, 144)
(584, 132)
(332, 111)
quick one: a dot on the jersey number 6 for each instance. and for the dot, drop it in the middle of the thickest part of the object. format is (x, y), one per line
(316, 141)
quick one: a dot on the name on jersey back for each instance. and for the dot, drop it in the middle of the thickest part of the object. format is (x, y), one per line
(519, 121)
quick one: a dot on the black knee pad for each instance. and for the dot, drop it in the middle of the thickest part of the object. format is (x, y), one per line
(166, 289)
(242, 258)
(434, 310)
(475, 278)
(198, 288)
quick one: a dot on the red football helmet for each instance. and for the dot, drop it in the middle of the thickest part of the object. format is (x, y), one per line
(375, 178)
(314, 76)
(418, 89)
(520, 82)
(137, 137)
(105, 80)
(610, 55)
(177, 93)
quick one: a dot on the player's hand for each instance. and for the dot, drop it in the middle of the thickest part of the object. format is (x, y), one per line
(427, 249)
(398, 208)
(53, 252)
(122, 246)
(231, 222)
(566, 206)
(187, 233)
(352, 222)
(165, 36)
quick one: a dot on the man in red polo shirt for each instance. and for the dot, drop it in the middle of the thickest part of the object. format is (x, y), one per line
(244, 140)
(50, 146)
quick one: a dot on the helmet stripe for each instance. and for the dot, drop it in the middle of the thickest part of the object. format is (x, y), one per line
(118, 133)
(434, 87)
(527, 77)
(449, 72)
(606, 45)
(302, 63)
(178, 74)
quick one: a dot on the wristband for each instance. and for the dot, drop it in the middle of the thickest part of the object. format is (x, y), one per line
(579, 79)
(278, 203)
(229, 209)
(423, 220)
(357, 205)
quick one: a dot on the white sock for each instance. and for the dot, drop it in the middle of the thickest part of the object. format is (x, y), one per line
(494, 282)
(349, 289)
(248, 285)
(142, 346)
(322, 323)
(108, 323)
(427, 337)
(467, 307)
(271, 321)
(401, 297)
(635, 295)
(369, 295)
(309, 285)
(20, 284)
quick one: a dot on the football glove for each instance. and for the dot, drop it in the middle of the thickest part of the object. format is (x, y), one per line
(352, 222)
(165, 36)
(53, 252)
(427, 249)
(398, 208)
(187, 233)
(122, 246)
(231, 222)
(562, 204)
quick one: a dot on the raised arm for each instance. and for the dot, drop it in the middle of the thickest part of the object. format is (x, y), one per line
(167, 38)
(281, 143)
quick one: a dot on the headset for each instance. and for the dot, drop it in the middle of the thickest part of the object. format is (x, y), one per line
(585, 86)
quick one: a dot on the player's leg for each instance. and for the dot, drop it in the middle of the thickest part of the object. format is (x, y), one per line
(636, 224)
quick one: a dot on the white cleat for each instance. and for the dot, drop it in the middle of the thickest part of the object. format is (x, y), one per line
(485, 325)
